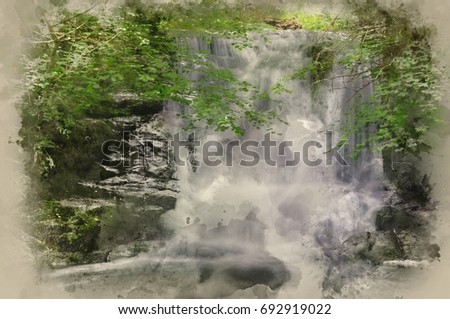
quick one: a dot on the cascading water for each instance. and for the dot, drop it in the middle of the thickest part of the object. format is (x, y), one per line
(306, 211)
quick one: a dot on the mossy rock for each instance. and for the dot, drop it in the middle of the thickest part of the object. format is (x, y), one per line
(388, 218)
(76, 159)
(67, 229)
(76, 233)
(323, 60)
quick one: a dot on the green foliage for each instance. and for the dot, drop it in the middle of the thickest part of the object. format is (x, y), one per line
(41, 153)
(218, 17)
(323, 58)
(324, 21)
(236, 21)
(79, 62)
(396, 49)
(224, 103)
(67, 229)
(322, 62)
(389, 49)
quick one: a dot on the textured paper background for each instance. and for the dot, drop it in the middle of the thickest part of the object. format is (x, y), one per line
(17, 278)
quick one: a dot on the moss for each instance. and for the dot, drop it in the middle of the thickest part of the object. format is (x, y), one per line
(323, 58)
(75, 159)
(68, 235)
(67, 230)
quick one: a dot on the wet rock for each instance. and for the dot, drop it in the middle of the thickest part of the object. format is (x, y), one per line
(128, 224)
(244, 271)
(249, 231)
(114, 157)
(146, 169)
(90, 230)
(235, 254)
(339, 276)
(172, 278)
(240, 236)
(418, 246)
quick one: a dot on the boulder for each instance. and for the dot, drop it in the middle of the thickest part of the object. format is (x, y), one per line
(245, 271)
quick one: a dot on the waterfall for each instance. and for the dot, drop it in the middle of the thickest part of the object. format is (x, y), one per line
(304, 212)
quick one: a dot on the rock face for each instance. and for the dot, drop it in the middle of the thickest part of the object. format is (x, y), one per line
(113, 180)
(140, 165)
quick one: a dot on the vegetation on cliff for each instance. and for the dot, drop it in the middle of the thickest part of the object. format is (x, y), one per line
(391, 50)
